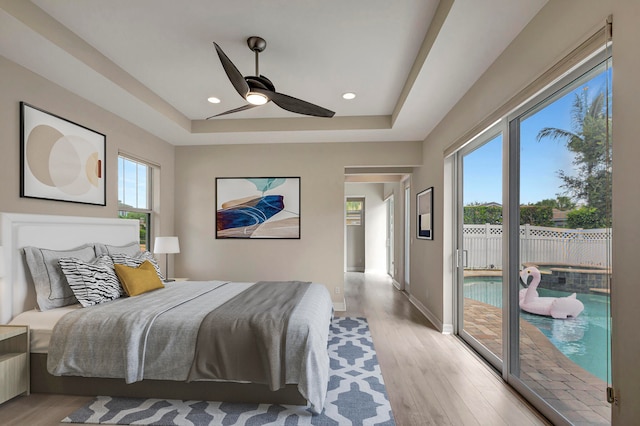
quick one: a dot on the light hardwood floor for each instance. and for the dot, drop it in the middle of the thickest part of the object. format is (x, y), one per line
(431, 378)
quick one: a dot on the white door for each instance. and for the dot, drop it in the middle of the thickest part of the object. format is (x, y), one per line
(407, 238)
(390, 237)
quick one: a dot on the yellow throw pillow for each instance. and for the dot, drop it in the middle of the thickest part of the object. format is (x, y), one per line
(139, 280)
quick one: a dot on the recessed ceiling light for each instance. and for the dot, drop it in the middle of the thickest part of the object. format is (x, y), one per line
(214, 100)
(348, 95)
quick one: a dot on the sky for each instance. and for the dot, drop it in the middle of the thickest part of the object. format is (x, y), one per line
(539, 161)
(132, 183)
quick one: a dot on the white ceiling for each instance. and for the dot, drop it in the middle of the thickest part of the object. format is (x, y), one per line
(152, 62)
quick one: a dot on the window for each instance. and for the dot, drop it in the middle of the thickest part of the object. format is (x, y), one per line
(134, 195)
(354, 213)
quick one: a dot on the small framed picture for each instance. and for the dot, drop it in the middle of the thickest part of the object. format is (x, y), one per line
(424, 207)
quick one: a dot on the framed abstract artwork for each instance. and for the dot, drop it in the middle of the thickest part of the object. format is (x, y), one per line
(258, 208)
(424, 221)
(60, 160)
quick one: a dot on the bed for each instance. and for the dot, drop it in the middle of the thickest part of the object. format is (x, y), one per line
(158, 335)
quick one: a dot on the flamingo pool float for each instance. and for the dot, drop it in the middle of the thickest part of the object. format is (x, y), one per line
(556, 307)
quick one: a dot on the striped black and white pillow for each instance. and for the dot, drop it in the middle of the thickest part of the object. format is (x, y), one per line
(137, 260)
(92, 282)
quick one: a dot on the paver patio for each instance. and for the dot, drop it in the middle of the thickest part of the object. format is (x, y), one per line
(576, 393)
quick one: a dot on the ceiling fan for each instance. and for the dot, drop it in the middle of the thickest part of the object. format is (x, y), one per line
(258, 89)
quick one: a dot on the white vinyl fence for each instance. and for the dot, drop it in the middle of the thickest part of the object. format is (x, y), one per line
(483, 245)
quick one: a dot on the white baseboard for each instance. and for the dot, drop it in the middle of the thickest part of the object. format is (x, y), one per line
(375, 271)
(396, 284)
(340, 306)
(443, 328)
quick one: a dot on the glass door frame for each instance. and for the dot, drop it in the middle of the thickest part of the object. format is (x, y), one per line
(511, 220)
(480, 140)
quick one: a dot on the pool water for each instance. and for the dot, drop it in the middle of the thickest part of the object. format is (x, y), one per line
(584, 340)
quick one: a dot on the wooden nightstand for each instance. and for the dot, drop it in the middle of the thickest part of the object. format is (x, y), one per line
(14, 361)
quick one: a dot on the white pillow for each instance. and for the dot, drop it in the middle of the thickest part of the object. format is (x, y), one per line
(92, 282)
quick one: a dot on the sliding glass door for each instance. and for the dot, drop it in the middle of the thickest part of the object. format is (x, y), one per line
(479, 256)
(561, 350)
(533, 250)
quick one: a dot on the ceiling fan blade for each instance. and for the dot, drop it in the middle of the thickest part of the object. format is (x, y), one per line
(295, 105)
(234, 75)
(231, 111)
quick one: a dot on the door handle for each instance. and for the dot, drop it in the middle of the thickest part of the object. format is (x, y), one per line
(461, 258)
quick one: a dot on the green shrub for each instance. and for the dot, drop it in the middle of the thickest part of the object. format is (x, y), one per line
(536, 215)
(585, 218)
(479, 215)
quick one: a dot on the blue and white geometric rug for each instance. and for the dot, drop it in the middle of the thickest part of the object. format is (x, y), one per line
(356, 395)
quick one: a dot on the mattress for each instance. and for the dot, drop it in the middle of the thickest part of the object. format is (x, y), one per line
(41, 325)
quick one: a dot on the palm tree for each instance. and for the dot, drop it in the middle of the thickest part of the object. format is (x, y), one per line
(589, 142)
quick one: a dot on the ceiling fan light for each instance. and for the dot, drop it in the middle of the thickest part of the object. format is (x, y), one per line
(256, 98)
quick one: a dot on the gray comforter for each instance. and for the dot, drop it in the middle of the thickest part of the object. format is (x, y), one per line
(245, 338)
(153, 336)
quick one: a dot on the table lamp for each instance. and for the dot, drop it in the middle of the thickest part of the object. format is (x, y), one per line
(166, 246)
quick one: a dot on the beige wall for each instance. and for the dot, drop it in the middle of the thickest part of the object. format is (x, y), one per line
(319, 254)
(559, 27)
(18, 84)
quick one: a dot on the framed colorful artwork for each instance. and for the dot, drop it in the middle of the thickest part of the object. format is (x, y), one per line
(59, 159)
(258, 208)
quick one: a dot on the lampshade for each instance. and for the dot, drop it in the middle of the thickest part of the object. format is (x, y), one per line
(166, 245)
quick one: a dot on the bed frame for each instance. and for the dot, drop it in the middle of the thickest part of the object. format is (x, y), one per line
(17, 294)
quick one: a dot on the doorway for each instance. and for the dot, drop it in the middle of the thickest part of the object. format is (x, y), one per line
(355, 224)
(390, 237)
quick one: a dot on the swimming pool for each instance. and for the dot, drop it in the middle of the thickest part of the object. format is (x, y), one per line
(584, 340)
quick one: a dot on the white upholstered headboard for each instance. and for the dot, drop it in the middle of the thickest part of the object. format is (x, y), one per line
(17, 293)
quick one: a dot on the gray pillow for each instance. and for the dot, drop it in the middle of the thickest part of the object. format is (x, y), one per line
(131, 249)
(52, 288)
(92, 282)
